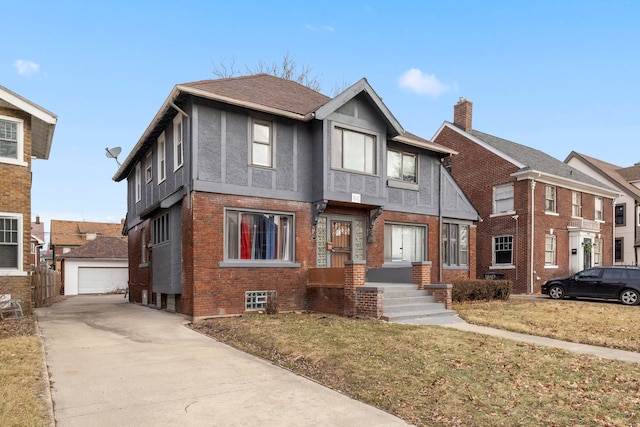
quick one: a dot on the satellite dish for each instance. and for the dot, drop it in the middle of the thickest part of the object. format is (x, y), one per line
(113, 153)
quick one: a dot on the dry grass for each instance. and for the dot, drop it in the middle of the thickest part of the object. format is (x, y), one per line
(432, 376)
(606, 324)
(22, 385)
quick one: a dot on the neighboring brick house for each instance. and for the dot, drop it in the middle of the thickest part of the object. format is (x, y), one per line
(98, 266)
(540, 218)
(65, 235)
(627, 205)
(26, 133)
(240, 186)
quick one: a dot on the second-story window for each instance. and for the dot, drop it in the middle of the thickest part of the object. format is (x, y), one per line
(178, 149)
(402, 166)
(550, 198)
(354, 151)
(503, 198)
(599, 209)
(138, 182)
(162, 159)
(261, 144)
(10, 139)
(576, 204)
(148, 171)
(619, 213)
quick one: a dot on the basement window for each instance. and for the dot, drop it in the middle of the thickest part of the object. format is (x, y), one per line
(257, 300)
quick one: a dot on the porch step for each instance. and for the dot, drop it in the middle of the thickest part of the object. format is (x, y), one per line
(404, 303)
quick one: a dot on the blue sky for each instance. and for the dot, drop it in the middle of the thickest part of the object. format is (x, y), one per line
(553, 75)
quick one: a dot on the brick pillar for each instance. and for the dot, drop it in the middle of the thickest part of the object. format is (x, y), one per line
(354, 272)
(421, 273)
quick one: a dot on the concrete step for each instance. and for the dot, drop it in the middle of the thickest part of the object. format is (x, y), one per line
(392, 302)
(400, 309)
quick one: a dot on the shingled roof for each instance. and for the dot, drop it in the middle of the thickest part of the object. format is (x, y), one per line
(613, 172)
(264, 90)
(74, 233)
(536, 160)
(101, 247)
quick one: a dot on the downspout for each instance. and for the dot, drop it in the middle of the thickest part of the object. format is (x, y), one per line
(440, 254)
(533, 229)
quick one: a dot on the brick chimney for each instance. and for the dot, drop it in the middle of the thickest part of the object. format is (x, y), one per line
(462, 114)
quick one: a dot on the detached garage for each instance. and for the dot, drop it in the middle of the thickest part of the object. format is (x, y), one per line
(99, 266)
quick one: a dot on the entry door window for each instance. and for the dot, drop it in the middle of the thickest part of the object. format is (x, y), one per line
(340, 245)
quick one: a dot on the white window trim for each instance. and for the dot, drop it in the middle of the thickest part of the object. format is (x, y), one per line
(178, 142)
(425, 243)
(494, 200)
(595, 213)
(19, 271)
(271, 144)
(555, 200)
(494, 265)
(148, 168)
(555, 251)
(138, 182)
(579, 205)
(19, 161)
(162, 158)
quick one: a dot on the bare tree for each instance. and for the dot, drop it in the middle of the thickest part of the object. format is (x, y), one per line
(287, 69)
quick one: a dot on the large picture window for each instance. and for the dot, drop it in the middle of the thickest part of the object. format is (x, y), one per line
(455, 239)
(503, 198)
(402, 166)
(354, 151)
(259, 236)
(10, 235)
(503, 250)
(404, 243)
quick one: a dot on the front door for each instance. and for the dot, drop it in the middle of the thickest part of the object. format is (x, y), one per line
(340, 244)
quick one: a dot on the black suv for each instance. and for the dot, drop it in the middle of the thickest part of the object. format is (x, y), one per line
(616, 282)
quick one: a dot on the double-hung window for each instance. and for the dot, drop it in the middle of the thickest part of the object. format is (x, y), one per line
(402, 166)
(178, 135)
(262, 143)
(576, 204)
(404, 243)
(10, 242)
(162, 158)
(550, 249)
(259, 236)
(11, 141)
(148, 171)
(550, 198)
(353, 151)
(138, 182)
(503, 198)
(455, 239)
(619, 214)
(503, 250)
(599, 209)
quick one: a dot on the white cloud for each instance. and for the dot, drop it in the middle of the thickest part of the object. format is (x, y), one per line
(422, 83)
(327, 28)
(26, 68)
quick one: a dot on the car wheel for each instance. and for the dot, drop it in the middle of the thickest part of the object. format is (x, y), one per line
(556, 292)
(629, 297)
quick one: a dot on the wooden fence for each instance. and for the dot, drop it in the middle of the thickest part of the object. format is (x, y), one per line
(45, 286)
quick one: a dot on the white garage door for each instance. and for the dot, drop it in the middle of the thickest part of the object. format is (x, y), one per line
(100, 280)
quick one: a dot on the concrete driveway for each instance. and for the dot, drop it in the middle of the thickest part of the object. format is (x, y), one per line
(113, 363)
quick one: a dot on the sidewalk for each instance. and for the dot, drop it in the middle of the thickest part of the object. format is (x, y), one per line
(113, 363)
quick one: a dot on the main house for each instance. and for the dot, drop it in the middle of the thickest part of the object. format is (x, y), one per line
(626, 248)
(240, 186)
(541, 218)
(26, 133)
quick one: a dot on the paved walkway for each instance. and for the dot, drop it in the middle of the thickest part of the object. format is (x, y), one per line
(112, 363)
